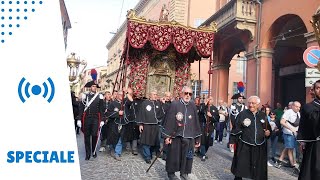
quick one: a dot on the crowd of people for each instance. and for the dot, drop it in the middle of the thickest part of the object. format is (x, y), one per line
(178, 129)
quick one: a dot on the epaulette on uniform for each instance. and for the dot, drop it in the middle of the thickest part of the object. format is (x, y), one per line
(84, 95)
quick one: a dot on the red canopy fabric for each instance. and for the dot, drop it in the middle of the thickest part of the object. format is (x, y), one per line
(161, 35)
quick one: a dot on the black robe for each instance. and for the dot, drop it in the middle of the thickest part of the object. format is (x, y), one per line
(150, 114)
(116, 122)
(201, 109)
(182, 125)
(250, 157)
(105, 127)
(132, 129)
(165, 107)
(309, 132)
(207, 127)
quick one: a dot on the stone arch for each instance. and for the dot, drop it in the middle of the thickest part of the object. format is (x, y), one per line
(280, 28)
(230, 46)
(286, 39)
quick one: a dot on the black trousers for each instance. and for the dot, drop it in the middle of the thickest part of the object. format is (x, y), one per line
(90, 131)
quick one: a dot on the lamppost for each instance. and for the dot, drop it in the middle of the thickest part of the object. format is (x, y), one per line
(74, 64)
(316, 26)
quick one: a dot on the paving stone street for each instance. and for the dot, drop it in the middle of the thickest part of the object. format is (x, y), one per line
(217, 166)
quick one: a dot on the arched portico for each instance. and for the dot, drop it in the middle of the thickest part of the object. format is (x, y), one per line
(228, 46)
(280, 66)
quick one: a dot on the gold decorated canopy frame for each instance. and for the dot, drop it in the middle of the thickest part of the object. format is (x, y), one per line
(131, 16)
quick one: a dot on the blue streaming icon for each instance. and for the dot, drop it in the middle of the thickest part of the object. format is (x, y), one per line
(35, 90)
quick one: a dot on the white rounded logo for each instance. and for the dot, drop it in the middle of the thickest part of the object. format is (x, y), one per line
(246, 122)
(179, 116)
(148, 108)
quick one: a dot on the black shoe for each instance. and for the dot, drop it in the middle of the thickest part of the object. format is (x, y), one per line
(274, 160)
(164, 157)
(135, 153)
(184, 176)
(196, 153)
(172, 176)
(203, 158)
(278, 164)
(87, 157)
(296, 170)
(94, 155)
(148, 161)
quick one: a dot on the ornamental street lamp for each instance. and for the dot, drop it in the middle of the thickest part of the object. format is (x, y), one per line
(74, 65)
(316, 26)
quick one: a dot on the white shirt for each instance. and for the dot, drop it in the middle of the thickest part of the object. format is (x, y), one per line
(289, 116)
(222, 112)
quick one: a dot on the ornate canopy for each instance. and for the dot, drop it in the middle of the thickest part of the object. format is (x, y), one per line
(161, 34)
(158, 53)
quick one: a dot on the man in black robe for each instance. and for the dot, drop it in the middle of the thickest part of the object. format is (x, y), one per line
(150, 115)
(182, 134)
(91, 116)
(250, 132)
(211, 118)
(201, 109)
(309, 137)
(166, 102)
(117, 114)
(131, 132)
(104, 129)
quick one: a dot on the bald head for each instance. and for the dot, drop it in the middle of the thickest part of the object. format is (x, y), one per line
(296, 106)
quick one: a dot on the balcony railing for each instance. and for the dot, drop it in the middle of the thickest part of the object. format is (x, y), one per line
(234, 11)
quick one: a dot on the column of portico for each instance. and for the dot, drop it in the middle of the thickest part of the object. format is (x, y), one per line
(259, 75)
(311, 41)
(220, 79)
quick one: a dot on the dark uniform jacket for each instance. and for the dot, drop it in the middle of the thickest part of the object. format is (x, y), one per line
(150, 112)
(309, 132)
(113, 112)
(96, 109)
(309, 127)
(202, 112)
(250, 128)
(129, 110)
(165, 107)
(235, 109)
(182, 120)
(215, 114)
(136, 105)
(75, 106)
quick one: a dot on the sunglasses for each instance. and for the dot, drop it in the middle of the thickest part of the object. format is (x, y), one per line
(272, 114)
(188, 93)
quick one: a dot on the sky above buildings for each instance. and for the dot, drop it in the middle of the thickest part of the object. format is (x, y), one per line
(93, 25)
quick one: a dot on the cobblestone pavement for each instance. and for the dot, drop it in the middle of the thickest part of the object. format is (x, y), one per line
(217, 166)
